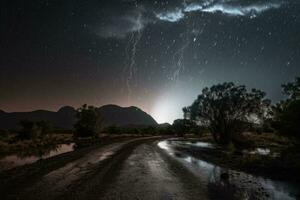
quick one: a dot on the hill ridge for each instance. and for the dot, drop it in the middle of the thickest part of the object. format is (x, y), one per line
(64, 117)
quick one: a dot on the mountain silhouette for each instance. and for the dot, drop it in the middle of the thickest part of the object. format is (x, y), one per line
(123, 116)
(65, 117)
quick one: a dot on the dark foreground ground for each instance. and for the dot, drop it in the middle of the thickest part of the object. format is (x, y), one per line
(136, 169)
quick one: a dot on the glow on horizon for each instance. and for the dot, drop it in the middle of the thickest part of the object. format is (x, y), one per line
(164, 113)
(168, 106)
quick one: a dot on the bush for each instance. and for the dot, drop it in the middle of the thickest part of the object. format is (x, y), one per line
(184, 126)
(150, 130)
(287, 113)
(227, 109)
(32, 130)
(166, 130)
(4, 134)
(88, 122)
(112, 130)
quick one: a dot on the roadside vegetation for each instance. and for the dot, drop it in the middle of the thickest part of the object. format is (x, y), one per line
(238, 121)
(249, 132)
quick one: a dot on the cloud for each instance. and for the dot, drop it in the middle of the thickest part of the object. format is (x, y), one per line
(240, 10)
(171, 16)
(192, 7)
(228, 7)
(121, 26)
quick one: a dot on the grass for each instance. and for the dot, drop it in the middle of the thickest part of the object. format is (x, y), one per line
(11, 145)
(283, 167)
(269, 140)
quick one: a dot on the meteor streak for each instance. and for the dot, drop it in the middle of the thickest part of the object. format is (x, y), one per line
(131, 69)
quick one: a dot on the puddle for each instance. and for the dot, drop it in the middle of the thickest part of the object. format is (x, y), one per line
(192, 144)
(231, 184)
(34, 155)
(262, 152)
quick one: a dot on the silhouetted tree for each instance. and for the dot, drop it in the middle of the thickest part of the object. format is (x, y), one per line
(185, 112)
(196, 130)
(168, 130)
(183, 126)
(45, 126)
(112, 130)
(4, 134)
(227, 109)
(149, 130)
(135, 131)
(88, 121)
(29, 130)
(292, 89)
(287, 112)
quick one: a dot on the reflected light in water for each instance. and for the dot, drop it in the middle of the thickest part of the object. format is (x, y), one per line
(163, 145)
(15, 160)
(248, 183)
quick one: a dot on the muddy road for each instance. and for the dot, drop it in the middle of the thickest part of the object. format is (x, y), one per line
(135, 169)
(147, 168)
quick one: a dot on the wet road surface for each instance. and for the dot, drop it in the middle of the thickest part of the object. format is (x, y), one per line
(136, 169)
(147, 168)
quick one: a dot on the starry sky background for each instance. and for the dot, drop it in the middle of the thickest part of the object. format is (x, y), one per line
(156, 55)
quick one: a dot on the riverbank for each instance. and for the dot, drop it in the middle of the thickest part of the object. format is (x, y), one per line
(39, 146)
(266, 155)
(224, 182)
(88, 173)
(26, 152)
(139, 168)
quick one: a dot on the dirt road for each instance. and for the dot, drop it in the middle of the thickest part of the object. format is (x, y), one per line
(135, 169)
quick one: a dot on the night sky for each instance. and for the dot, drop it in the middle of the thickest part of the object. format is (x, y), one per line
(156, 55)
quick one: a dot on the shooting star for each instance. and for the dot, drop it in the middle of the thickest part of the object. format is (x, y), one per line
(131, 51)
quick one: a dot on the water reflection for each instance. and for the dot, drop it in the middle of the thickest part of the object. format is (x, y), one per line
(191, 144)
(262, 152)
(164, 145)
(33, 154)
(230, 184)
